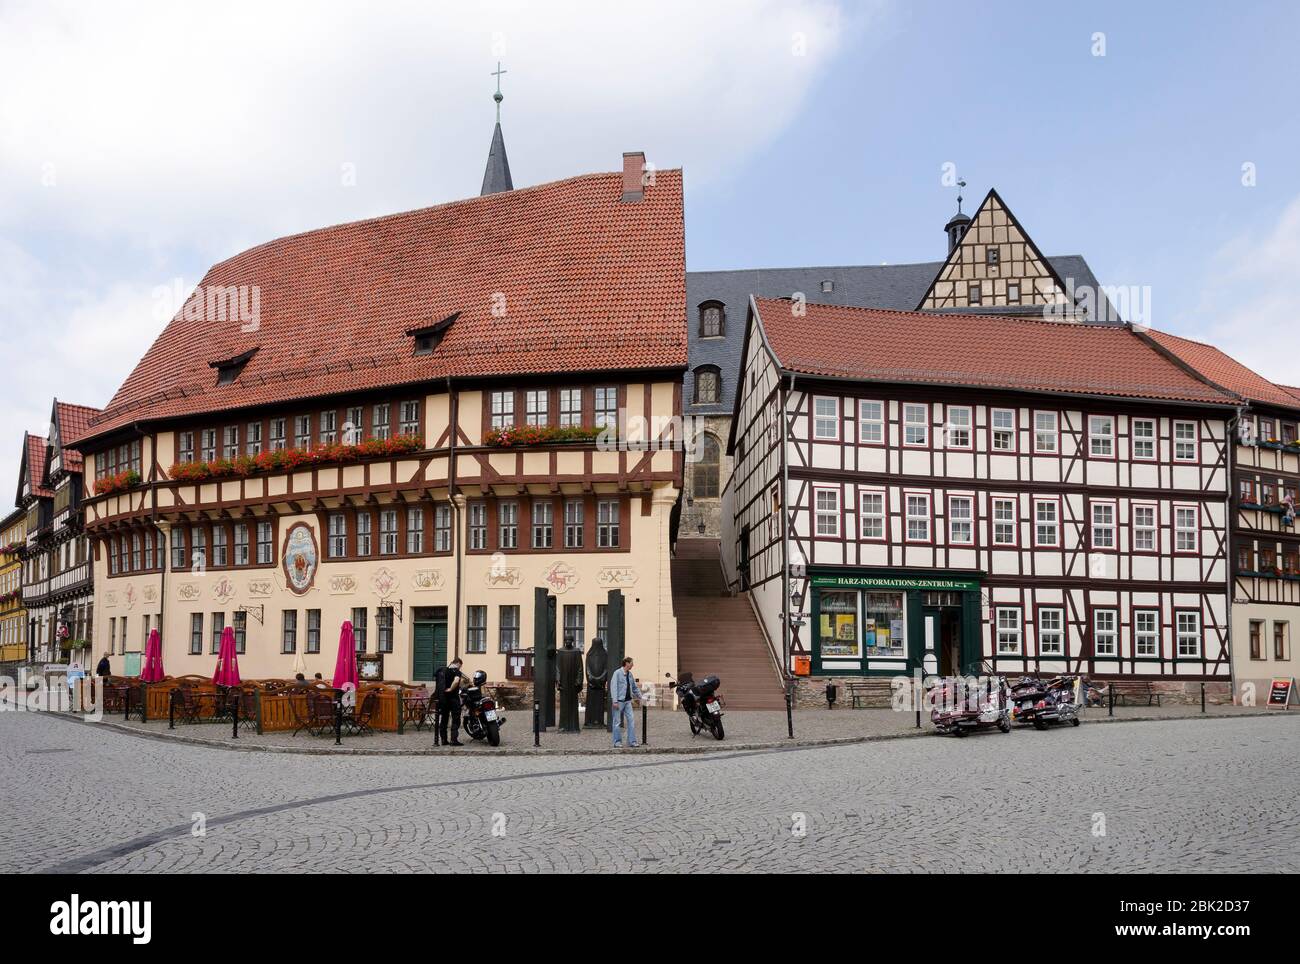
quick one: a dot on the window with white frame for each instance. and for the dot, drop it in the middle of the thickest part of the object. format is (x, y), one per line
(313, 630)
(1144, 438)
(476, 630)
(253, 438)
(384, 628)
(916, 427)
(388, 532)
(508, 525)
(338, 535)
(1103, 525)
(502, 409)
(958, 427)
(442, 527)
(1002, 422)
(289, 631)
(329, 427)
(1101, 436)
(478, 525)
(219, 550)
(241, 543)
(409, 423)
(828, 512)
(230, 441)
(1189, 634)
(961, 520)
(1105, 633)
(1009, 630)
(302, 431)
(1185, 529)
(508, 628)
(607, 524)
(573, 524)
(1004, 522)
(536, 406)
(363, 533)
(264, 547)
(872, 515)
(918, 517)
(381, 420)
(606, 407)
(570, 407)
(354, 427)
(1051, 632)
(871, 422)
(278, 430)
(1047, 523)
(1144, 528)
(1046, 440)
(1146, 632)
(826, 418)
(187, 447)
(543, 524)
(415, 529)
(1185, 442)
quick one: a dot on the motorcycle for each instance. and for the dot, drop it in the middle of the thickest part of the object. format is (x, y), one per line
(701, 702)
(959, 708)
(480, 717)
(1045, 703)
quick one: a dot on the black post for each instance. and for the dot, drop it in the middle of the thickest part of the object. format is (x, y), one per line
(1202, 696)
(126, 704)
(234, 715)
(544, 654)
(918, 694)
(171, 711)
(338, 720)
(537, 723)
(645, 724)
(789, 710)
(1110, 694)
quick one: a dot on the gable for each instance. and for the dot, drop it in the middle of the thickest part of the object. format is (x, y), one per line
(1017, 276)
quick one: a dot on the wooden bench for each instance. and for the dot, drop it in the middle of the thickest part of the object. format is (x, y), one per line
(1125, 690)
(873, 691)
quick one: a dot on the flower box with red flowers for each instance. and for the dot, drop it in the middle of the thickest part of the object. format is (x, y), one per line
(117, 483)
(287, 460)
(524, 436)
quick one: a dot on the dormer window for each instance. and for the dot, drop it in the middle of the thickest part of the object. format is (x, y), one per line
(828, 287)
(430, 336)
(713, 320)
(229, 369)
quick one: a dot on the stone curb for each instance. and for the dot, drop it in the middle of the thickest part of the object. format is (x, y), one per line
(716, 747)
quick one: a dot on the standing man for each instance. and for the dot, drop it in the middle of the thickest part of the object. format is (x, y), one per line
(622, 691)
(104, 668)
(446, 693)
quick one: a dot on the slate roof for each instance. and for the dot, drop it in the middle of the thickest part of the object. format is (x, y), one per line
(1225, 371)
(894, 286)
(978, 351)
(560, 277)
(496, 177)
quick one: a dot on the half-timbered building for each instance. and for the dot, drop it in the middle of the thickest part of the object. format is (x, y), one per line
(58, 579)
(13, 616)
(429, 416)
(1265, 546)
(953, 491)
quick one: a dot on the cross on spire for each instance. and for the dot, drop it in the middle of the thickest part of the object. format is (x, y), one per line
(498, 96)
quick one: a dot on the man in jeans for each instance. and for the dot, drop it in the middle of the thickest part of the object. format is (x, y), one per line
(622, 691)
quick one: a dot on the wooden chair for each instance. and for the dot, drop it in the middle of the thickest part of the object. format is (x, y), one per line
(358, 722)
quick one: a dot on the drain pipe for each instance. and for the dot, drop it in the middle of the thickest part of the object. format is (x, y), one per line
(456, 500)
(786, 628)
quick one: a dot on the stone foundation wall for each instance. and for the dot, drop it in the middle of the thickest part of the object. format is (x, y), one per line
(810, 692)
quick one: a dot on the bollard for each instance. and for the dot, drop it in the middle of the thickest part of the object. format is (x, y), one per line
(537, 723)
(645, 723)
(1110, 696)
(126, 705)
(789, 713)
(1202, 696)
(234, 715)
(338, 721)
(918, 695)
(171, 711)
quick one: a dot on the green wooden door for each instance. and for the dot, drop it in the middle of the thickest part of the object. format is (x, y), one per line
(430, 649)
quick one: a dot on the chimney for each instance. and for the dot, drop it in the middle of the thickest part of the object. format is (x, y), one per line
(633, 168)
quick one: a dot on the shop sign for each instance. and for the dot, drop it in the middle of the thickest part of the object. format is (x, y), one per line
(889, 582)
(1279, 692)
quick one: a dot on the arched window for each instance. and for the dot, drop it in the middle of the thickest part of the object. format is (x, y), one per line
(708, 385)
(704, 474)
(713, 319)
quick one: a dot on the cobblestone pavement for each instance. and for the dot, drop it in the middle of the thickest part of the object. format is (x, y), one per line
(1174, 795)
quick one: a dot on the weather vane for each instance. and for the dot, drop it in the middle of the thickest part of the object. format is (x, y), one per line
(961, 184)
(498, 96)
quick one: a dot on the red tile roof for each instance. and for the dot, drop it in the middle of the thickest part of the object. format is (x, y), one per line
(1224, 370)
(980, 351)
(74, 422)
(579, 280)
(35, 446)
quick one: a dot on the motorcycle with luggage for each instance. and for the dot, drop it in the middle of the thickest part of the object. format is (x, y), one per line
(701, 702)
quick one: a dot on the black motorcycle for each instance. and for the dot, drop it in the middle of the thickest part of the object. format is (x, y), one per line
(479, 714)
(701, 701)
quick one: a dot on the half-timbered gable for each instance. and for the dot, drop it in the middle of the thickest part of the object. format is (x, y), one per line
(1264, 553)
(487, 400)
(961, 495)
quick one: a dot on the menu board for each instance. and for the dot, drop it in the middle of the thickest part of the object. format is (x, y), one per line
(1279, 692)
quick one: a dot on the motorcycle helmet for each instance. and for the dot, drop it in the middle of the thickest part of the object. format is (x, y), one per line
(480, 677)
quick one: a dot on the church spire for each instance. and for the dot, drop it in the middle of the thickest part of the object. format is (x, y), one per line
(497, 176)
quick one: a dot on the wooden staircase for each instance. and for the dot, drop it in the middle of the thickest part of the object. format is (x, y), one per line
(718, 633)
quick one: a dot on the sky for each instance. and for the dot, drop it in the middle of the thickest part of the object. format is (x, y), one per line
(142, 142)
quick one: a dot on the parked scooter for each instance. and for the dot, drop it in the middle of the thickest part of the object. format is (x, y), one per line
(1043, 703)
(479, 714)
(701, 701)
(960, 708)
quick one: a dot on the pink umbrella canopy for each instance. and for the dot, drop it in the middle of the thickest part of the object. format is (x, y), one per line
(345, 668)
(152, 670)
(227, 660)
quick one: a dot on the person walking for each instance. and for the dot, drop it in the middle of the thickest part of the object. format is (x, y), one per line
(622, 691)
(104, 668)
(446, 694)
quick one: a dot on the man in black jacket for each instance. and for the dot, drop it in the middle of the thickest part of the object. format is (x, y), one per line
(446, 694)
(104, 668)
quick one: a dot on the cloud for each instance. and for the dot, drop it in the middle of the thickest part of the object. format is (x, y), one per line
(1248, 305)
(143, 142)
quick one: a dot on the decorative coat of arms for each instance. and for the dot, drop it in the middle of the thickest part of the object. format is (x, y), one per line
(188, 591)
(299, 558)
(260, 588)
(560, 577)
(616, 577)
(343, 585)
(383, 582)
(427, 579)
(224, 590)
